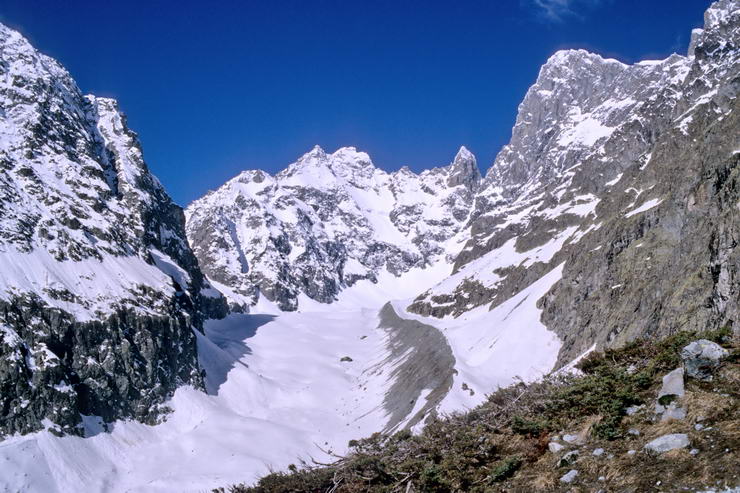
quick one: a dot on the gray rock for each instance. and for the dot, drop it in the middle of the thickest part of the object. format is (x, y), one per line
(633, 431)
(555, 447)
(673, 411)
(569, 476)
(702, 357)
(668, 403)
(598, 452)
(568, 459)
(632, 410)
(673, 384)
(631, 452)
(668, 442)
(573, 439)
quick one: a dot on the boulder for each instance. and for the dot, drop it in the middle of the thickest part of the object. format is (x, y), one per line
(702, 357)
(554, 447)
(668, 442)
(573, 439)
(632, 410)
(668, 403)
(569, 476)
(568, 458)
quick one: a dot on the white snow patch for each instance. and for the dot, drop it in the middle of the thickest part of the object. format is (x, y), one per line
(644, 207)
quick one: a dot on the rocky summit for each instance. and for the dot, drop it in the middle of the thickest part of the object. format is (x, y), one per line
(326, 222)
(625, 177)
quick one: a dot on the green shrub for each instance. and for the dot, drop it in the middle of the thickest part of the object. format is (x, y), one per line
(505, 469)
(529, 427)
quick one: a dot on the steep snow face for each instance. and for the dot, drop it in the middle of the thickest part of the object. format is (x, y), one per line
(327, 221)
(99, 290)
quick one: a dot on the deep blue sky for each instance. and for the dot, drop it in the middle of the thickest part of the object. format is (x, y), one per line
(216, 87)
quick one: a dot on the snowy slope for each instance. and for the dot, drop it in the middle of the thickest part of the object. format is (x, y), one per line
(618, 181)
(280, 393)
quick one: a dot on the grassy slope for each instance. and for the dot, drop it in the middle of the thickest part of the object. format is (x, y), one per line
(502, 445)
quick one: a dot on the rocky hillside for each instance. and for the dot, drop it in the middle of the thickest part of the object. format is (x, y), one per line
(626, 178)
(99, 290)
(327, 221)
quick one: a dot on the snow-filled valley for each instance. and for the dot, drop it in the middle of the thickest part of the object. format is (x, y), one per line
(146, 347)
(279, 393)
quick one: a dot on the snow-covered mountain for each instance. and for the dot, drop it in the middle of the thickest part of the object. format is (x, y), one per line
(375, 299)
(610, 177)
(99, 290)
(327, 221)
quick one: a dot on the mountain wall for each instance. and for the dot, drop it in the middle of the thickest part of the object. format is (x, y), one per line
(622, 175)
(99, 290)
(626, 175)
(325, 222)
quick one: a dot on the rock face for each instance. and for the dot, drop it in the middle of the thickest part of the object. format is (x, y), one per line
(325, 222)
(99, 291)
(702, 357)
(627, 177)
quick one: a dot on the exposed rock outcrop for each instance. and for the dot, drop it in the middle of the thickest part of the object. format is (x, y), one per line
(627, 174)
(702, 358)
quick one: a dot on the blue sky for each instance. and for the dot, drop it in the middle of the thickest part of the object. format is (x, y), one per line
(213, 88)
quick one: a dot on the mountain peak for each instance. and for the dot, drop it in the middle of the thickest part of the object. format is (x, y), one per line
(316, 151)
(719, 12)
(351, 157)
(463, 154)
(464, 170)
(313, 157)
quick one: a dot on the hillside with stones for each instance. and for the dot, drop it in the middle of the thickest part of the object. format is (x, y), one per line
(655, 415)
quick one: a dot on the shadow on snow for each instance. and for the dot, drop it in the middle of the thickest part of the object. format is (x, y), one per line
(224, 345)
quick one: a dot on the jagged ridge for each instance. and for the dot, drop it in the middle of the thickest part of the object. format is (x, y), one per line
(327, 221)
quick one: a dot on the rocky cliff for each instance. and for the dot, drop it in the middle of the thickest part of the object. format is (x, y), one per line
(99, 290)
(627, 176)
(621, 175)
